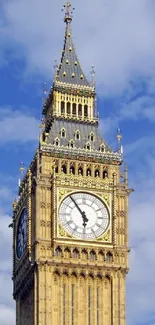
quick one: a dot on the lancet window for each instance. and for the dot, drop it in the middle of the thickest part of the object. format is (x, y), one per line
(57, 142)
(80, 110)
(102, 148)
(88, 146)
(105, 174)
(62, 107)
(74, 109)
(58, 252)
(80, 171)
(71, 144)
(64, 169)
(77, 135)
(72, 170)
(92, 136)
(92, 256)
(97, 173)
(109, 257)
(68, 108)
(63, 133)
(88, 172)
(85, 110)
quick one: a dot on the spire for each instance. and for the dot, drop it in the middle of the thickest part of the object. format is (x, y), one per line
(68, 13)
(70, 71)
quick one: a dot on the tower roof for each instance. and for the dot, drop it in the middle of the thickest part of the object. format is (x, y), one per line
(70, 70)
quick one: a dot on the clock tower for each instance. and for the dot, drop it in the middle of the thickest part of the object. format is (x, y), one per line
(70, 223)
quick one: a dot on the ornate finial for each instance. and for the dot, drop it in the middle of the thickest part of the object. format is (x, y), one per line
(45, 89)
(93, 75)
(55, 69)
(126, 174)
(42, 124)
(21, 171)
(119, 137)
(68, 12)
(44, 92)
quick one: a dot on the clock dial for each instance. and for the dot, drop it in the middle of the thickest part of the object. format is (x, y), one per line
(84, 216)
(22, 232)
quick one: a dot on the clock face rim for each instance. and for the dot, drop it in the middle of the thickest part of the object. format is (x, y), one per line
(22, 216)
(86, 237)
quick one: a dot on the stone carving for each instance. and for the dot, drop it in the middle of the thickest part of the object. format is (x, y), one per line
(42, 223)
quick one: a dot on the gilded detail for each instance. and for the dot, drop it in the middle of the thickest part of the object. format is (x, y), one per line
(72, 270)
(105, 237)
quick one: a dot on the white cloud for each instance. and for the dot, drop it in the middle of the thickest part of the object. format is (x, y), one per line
(7, 315)
(141, 108)
(118, 39)
(16, 126)
(7, 310)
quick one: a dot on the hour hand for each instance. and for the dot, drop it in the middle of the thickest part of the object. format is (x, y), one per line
(85, 219)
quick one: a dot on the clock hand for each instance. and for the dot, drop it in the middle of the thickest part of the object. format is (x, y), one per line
(85, 219)
(83, 214)
(76, 205)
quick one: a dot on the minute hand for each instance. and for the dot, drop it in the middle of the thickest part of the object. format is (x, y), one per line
(77, 206)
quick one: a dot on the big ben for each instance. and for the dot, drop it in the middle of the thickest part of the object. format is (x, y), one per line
(70, 223)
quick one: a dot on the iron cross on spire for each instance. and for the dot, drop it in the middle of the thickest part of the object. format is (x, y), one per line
(68, 12)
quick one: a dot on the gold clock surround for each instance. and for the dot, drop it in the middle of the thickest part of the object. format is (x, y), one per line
(60, 279)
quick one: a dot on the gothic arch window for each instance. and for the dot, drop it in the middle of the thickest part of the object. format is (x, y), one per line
(80, 171)
(58, 252)
(102, 148)
(88, 146)
(109, 257)
(80, 110)
(56, 170)
(57, 142)
(101, 256)
(68, 108)
(91, 137)
(63, 133)
(88, 172)
(92, 256)
(62, 107)
(84, 254)
(77, 135)
(64, 169)
(97, 173)
(74, 109)
(75, 253)
(86, 110)
(105, 174)
(72, 170)
(71, 144)
(67, 253)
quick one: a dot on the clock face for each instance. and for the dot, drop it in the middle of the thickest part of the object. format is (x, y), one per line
(22, 232)
(83, 216)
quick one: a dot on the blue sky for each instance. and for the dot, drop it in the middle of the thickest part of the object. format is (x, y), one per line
(116, 36)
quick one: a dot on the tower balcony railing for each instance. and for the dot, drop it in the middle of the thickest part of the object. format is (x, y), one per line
(76, 153)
